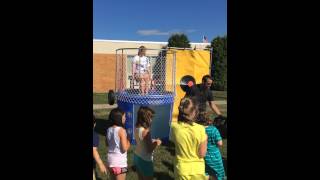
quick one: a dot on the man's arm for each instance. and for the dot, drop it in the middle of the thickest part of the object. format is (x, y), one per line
(214, 108)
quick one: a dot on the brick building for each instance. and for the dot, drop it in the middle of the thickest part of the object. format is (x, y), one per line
(104, 59)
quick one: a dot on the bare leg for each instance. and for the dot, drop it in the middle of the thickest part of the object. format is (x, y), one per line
(147, 80)
(152, 84)
(121, 176)
(139, 79)
(213, 178)
(142, 86)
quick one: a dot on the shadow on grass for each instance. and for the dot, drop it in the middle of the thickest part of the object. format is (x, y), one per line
(170, 148)
(162, 176)
(98, 178)
(168, 165)
(101, 126)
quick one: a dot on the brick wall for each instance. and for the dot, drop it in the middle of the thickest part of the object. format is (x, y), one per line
(104, 66)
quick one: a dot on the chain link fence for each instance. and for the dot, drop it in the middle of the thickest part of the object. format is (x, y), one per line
(147, 78)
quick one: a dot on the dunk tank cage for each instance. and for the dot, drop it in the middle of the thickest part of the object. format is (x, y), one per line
(161, 93)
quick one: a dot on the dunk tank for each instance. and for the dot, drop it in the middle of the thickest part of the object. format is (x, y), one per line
(173, 71)
(161, 89)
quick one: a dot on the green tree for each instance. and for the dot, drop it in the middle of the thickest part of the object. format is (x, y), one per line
(219, 62)
(179, 40)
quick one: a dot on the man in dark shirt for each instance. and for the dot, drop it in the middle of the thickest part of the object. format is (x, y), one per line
(201, 94)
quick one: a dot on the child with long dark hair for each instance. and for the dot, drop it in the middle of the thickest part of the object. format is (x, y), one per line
(118, 145)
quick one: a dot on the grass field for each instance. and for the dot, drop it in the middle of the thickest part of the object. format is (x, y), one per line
(163, 156)
(100, 98)
(220, 95)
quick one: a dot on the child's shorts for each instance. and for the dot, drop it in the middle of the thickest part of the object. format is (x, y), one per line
(144, 167)
(210, 171)
(118, 170)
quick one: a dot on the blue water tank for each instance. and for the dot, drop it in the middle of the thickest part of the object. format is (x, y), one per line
(130, 101)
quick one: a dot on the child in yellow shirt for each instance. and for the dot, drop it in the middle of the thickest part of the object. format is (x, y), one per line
(190, 141)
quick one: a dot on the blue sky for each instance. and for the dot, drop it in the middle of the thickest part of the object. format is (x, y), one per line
(156, 20)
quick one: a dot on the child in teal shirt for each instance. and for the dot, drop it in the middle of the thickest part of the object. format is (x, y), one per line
(213, 159)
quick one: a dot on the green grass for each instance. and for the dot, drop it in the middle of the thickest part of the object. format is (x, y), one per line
(100, 98)
(222, 108)
(101, 113)
(163, 157)
(220, 95)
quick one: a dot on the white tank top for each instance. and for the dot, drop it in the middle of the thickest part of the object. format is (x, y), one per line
(115, 157)
(142, 63)
(141, 146)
